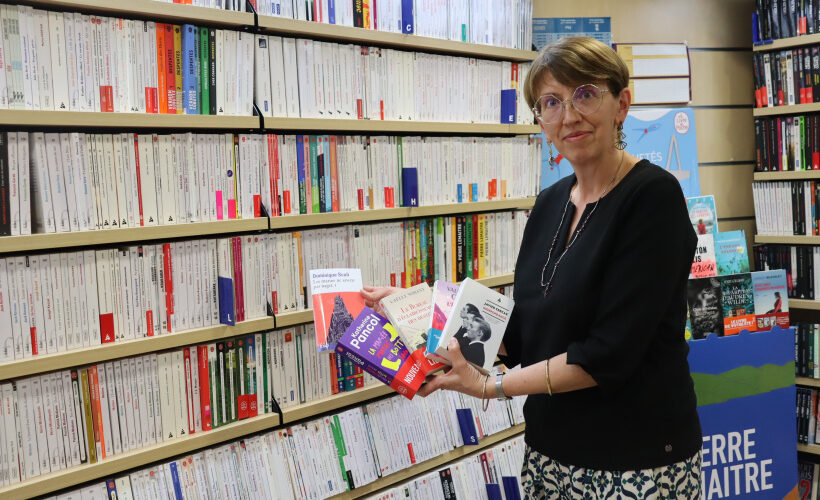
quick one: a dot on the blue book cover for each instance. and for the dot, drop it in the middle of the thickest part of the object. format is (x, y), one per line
(459, 193)
(494, 492)
(466, 424)
(300, 169)
(407, 25)
(511, 489)
(189, 74)
(731, 252)
(474, 190)
(226, 301)
(328, 181)
(331, 9)
(175, 479)
(771, 299)
(508, 106)
(111, 488)
(410, 187)
(702, 214)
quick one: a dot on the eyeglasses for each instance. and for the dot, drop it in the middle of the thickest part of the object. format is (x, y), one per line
(586, 100)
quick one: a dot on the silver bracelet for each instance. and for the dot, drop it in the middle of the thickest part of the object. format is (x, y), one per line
(499, 390)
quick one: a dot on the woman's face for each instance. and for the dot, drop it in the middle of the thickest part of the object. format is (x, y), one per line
(578, 137)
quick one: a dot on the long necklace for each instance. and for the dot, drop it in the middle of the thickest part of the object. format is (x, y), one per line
(548, 285)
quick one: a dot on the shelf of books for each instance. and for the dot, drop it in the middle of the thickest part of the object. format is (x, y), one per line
(788, 240)
(178, 446)
(787, 175)
(111, 236)
(150, 9)
(787, 110)
(430, 465)
(813, 449)
(156, 121)
(813, 305)
(120, 349)
(785, 43)
(384, 126)
(806, 381)
(293, 27)
(383, 214)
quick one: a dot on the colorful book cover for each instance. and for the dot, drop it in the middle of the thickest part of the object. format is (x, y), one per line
(704, 264)
(702, 214)
(480, 324)
(372, 343)
(443, 297)
(409, 312)
(337, 300)
(771, 301)
(731, 252)
(738, 303)
(705, 307)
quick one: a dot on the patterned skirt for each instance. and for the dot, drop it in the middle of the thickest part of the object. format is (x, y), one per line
(543, 478)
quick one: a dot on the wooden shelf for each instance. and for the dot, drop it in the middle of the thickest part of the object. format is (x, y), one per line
(81, 119)
(347, 34)
(788, 110)
(409, 127)
(149, 9)
(430, 465)
(301, 221)
(804, 304)
(805, 381)
(784, 43)
(180, 446)
(788, 240)
(814, 449)
(787, 176)
(96, 354)
(9, 244)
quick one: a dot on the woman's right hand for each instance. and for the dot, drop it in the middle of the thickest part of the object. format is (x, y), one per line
(374, 294)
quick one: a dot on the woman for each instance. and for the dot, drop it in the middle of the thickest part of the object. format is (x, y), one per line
(600, 302)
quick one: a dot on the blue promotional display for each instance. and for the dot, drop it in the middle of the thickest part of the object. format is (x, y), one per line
(746, 403)
(546, 30)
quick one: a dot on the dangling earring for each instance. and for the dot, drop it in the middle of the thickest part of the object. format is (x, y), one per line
(552, 155)
(620, 143)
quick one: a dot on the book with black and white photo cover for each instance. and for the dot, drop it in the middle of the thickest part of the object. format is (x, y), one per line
(337, 300)
(478, 321)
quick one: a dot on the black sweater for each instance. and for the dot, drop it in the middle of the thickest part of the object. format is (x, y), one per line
(618, 309)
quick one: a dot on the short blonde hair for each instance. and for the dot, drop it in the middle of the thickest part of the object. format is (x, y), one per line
(576, 61)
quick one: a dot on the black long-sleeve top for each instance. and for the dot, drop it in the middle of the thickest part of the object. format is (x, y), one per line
(617, 307)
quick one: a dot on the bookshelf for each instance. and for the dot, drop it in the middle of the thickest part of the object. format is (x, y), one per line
(812, 449)
(787, 176)
(136, 347)
(430, 465)
(808, 382)
(34, 242)
(391, 126)
(787, 110)
(788, 240)
(93, 119)
(785, 43)
(812, 305)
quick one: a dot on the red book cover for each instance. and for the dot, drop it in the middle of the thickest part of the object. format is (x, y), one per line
(779, 147)
(139, 178)
(106, 91)
(107, 334)
(240, 313)
(475, 246)
(360, 197)
(204, 386)
(96, 410)
(273, 167)
(334, 176)
(162, 92)
(170, 75)
(359, 376)
(189, 388)
(334, 374)
(168, 267)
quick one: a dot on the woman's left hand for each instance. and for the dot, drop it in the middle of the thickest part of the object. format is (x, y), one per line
(461, 376)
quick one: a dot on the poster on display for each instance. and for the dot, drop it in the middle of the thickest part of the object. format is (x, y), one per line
(546, 30)
(664, 136)
(746, 402)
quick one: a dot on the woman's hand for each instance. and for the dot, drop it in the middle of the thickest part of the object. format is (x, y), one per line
(461, 376)
(373, 294)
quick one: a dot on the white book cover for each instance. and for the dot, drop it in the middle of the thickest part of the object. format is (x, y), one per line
(8, 405)
(20, 308)
(56, 170)
(232, 58)
(14, 59)
(118, 424)
(180, 392)
(132, 180)
(115, 203)
(121, 176)
(27, 418)
(23, 183)
(42, 272)
(479, 326)
(61, 419)
(127, 404)
(72, 61)
(221, 86)
(142, 401)
(25, 23)
(75, 300)
(59, 67)
(4, 99)
(262, 71)
(79, 196)
(154, 377)
(167, 389)
(409, 311)
(165, 183)
(40, 423)
(195, 408)
(6, 337)
(42, 207)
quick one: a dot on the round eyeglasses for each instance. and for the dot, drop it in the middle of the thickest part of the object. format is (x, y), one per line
(586, 100)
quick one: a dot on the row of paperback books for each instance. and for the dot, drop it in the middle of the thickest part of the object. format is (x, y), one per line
(506, 24)
(800, 263)
(726, 305)
(88, 414)
(494, 474)
(786, 18)
(807, 415)
(66, 61)
(787, 77)
(319, 458)
(316, 79)
(807, 348)
(787, 143)
(56, 302)
(808, 485)
(786, 208)
(69, 182)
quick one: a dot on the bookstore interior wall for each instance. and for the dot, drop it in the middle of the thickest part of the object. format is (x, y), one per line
(719, 41)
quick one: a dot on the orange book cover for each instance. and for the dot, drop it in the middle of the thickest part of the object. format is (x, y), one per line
(162, 92)
(334, 175)
(94, 386)
(178, 68)
(337, 300)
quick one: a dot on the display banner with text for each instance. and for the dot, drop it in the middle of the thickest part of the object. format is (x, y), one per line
(746, 402)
